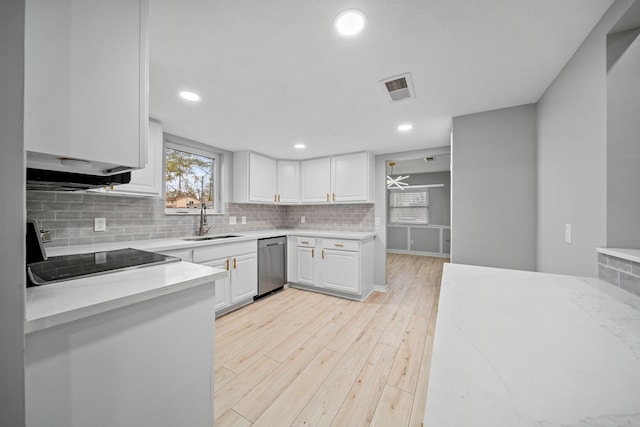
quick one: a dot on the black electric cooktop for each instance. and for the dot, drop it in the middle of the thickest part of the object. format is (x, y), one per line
(67, 267)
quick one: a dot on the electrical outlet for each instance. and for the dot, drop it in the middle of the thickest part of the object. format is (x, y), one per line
(232, 220)
(302, 219)
(377, 220)
(99, 224)
(567, 233)
(244, 219)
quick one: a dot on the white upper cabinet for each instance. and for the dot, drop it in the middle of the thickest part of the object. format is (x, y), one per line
(86, 75)
(340, 179)
(148, 181)
(288, 181)
(255, 178)
(315, 180)
(351, 178)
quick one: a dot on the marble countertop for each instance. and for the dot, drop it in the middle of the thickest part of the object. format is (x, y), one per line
(515, 348)
(181, 243)
(628, 254)
(63, 302)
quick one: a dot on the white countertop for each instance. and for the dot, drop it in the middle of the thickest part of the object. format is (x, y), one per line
(63, 302)
(180, 243)
(515, 348)
(628, 254)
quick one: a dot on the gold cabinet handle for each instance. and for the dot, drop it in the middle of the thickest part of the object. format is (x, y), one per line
(333, 195)
(275, 198)
(278, 198)
(235, 264)
(323, 254)
(327, 197)
(227, 264)
(305, 243)
(340, 245)
(313, 253)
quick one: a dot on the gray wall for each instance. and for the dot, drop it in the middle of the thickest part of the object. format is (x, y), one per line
(380, 248)
(623, 148)
(439, 197)
(12, 224)
(572, 132)
(494, 188)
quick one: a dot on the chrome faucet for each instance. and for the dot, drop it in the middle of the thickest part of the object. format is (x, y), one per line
(203, 221)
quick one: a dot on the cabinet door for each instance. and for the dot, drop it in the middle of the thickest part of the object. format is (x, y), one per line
(288, 181)
(148, 181)
(243, 270)
(306, 266)
(86, 81)
(222, 286)
(350, 178)
(341, 270)
(316, 180)
(263, 178)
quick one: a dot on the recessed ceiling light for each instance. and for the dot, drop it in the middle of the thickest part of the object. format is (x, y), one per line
(189, 96)
(299, 146)
(405, 127)
(350, 22)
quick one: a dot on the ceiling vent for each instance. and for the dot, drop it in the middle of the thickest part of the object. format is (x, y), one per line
(399, 88)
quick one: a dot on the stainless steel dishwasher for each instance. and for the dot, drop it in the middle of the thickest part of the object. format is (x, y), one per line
(272, 264)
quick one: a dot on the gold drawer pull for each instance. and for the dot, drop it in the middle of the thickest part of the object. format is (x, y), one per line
(340, 245)
(227, 264)
(327, 197)
(323, 254)
(313, 253)
(334, 196)
(305, 243)
(235, 264)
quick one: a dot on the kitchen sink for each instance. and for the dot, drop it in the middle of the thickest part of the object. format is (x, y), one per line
(196, 239)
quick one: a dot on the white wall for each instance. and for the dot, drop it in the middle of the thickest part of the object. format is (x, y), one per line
(572, 116)
(12, 208)
(623, 148)
(493, 214)
(380, 243)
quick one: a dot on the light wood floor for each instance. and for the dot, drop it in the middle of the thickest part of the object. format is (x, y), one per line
(303, 358)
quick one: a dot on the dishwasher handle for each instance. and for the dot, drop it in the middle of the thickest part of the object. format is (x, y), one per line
(275, 244)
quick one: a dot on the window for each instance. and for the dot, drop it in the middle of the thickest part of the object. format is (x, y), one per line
(191, 178)
(409, 206)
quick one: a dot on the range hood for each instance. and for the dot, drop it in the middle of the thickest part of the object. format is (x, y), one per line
(51, 180)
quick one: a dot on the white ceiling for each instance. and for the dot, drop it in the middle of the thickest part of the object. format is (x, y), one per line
(274, 73)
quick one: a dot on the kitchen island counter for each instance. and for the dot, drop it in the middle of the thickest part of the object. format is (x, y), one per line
(515, 348)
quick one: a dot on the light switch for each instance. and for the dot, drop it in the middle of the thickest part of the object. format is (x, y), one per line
(377, 220)
(232, 220)
(567, 233)
(99, 224)
(244, 219)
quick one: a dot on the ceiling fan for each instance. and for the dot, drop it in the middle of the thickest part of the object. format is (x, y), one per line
(397, 182)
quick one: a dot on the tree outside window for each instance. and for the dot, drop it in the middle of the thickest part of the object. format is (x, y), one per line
(189, 180)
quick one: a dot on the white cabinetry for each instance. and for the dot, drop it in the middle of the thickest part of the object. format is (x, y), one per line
(288, 181)
(261, 179)
(86, 83)
(241, 261)
(340, 179)
(149, 180)
(315, 180)
(340, 267)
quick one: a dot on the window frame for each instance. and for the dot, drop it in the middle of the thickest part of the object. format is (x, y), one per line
(182, 144)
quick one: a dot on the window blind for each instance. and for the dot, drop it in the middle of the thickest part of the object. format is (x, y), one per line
(409, 206)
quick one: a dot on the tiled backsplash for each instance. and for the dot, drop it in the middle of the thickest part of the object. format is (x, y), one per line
(620, 272)
(69, 217)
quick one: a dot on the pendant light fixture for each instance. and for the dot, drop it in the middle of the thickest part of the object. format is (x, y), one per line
(397, 181)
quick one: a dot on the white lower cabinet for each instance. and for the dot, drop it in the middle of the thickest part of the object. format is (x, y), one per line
(336, 266)
(241, 261)
(341, 270)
